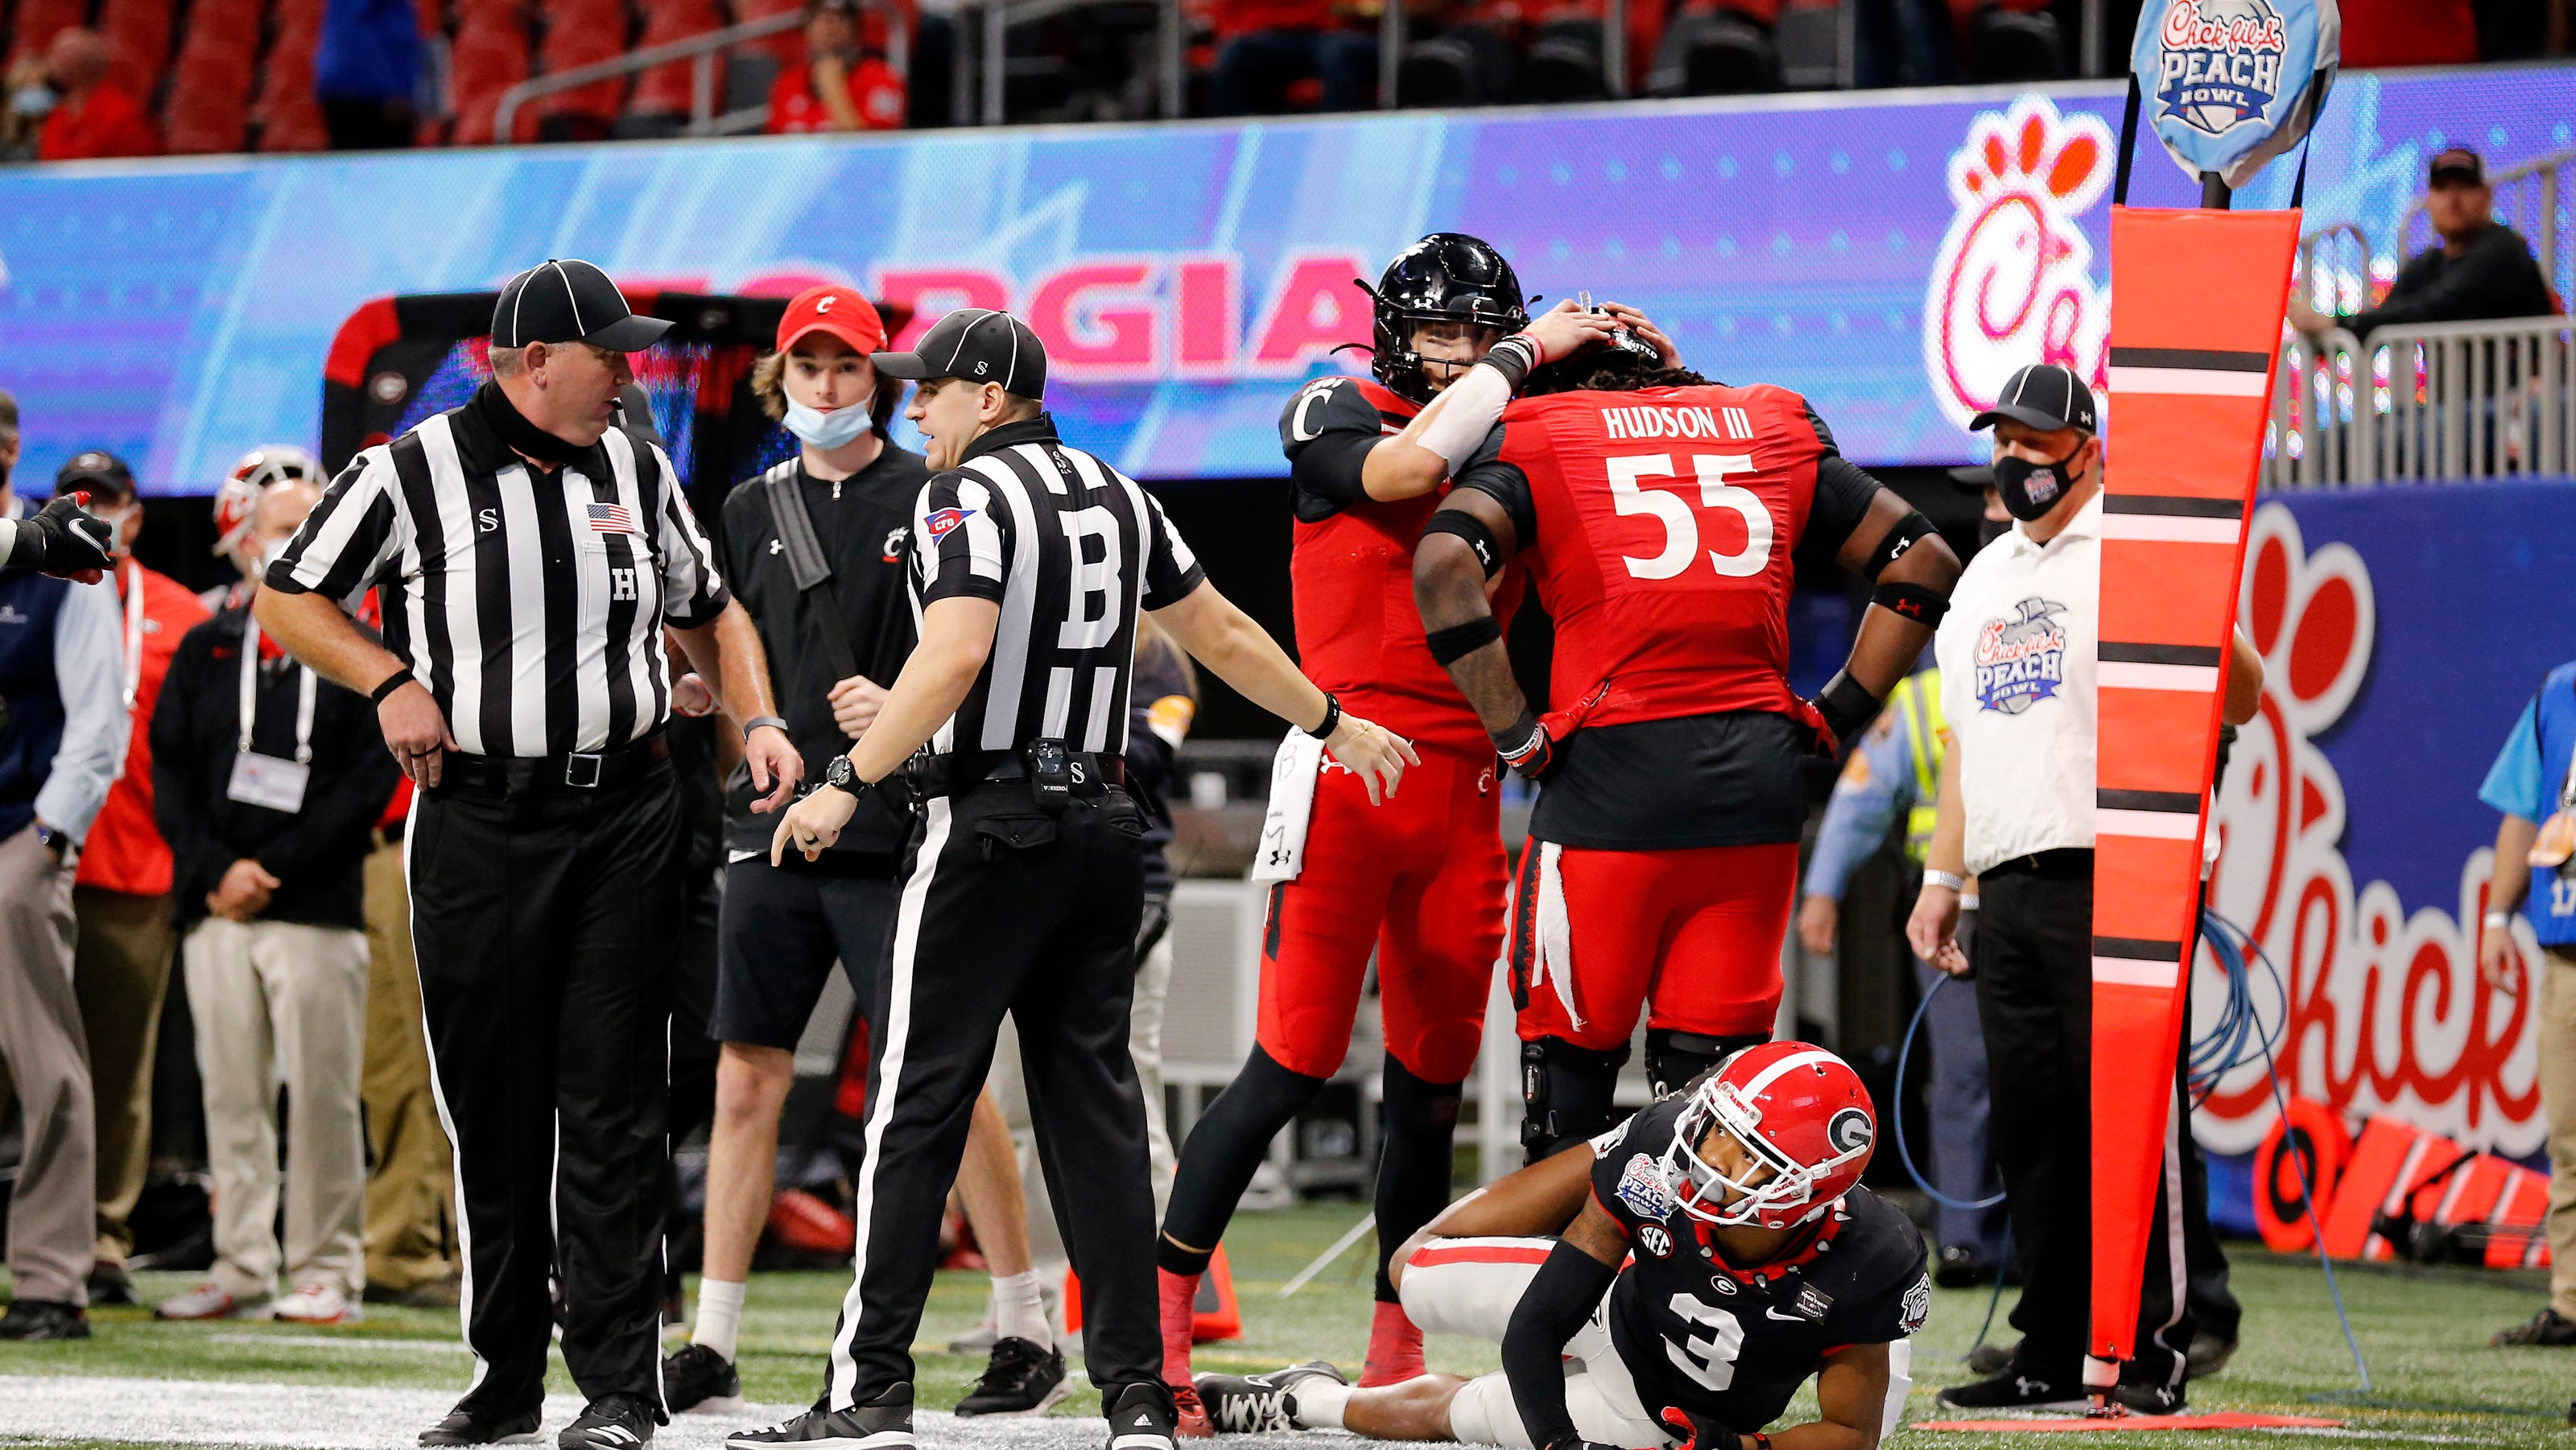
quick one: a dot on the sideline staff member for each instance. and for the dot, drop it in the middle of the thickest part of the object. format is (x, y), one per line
(2017, 656)
(1024, 885)
(530, 551)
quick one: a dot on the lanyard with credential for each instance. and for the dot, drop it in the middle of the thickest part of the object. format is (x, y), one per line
(250, 696)
(130, 580)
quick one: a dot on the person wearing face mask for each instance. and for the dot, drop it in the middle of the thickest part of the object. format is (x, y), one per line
(121, 895)
(815, 548)
(2015, 811)
(268, 779)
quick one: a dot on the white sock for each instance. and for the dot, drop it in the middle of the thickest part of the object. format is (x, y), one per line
(719, 1316)
(1320, 1401)
(1018, 1312)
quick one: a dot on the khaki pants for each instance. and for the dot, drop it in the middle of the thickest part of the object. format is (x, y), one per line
(410, 1195)
(120, 968)
(2557, 1042)
(279, 999)
(1145, 1048)
(53, 1212)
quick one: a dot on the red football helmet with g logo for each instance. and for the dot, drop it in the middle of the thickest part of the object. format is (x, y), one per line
(1804, 1120)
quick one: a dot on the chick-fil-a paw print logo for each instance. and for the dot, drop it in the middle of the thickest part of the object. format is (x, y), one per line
(2386, 1013)
(2013, 282)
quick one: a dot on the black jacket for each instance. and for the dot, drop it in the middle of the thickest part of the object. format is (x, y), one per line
(864, 524)
(319, 853)
(2493, 278)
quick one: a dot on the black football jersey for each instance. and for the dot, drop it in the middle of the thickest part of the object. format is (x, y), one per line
(1734, 1342)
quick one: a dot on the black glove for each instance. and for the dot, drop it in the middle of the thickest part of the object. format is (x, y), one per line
(1577, 1442)
(1698, 1432)
(1526, 748)
(62, 540)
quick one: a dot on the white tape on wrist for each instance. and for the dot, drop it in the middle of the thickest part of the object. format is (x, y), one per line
(1463, 414)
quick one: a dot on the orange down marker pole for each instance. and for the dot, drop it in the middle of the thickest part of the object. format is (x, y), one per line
(2196, 304)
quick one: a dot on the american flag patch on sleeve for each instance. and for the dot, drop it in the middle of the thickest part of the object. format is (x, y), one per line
(612, 518)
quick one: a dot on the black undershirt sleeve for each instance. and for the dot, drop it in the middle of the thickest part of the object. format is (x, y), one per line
(1844, 493)
(1560, 1297)
(1505, 484)
(1326, 470)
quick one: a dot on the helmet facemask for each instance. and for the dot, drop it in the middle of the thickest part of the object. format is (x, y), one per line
(1774, 1189)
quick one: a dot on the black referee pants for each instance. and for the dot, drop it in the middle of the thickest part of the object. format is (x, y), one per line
(1007, 909)
(2034, 961)
(546, 923)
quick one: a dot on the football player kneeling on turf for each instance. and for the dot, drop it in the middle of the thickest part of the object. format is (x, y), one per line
(1720, 1251)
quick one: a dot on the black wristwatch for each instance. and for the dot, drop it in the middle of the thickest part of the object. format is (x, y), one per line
(841, 775)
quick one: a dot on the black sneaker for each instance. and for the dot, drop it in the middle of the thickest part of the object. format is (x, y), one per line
(696, 1378)
(1142, 1417)
(611, 1422)
(1960, 1268)
(464, 1427)
(2207, 1356)
(885, 1425)
(2013, 1390)
(1991, 1359)
(110, 1284)
(1256, 1404)
(2547, 1328)
(2142, 1399)
(1022, 1379)
(44, 1319)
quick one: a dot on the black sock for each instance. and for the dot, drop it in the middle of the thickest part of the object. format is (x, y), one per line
(1416, 1129)
(1225, 1147)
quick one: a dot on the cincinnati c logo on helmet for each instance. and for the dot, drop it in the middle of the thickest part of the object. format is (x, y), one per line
(1849, 1131)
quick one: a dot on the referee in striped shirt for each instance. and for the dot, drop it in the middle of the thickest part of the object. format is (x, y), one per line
(1024, 883)
(530, 550)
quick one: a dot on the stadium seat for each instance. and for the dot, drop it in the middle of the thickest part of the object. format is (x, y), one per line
(490, 55)
(1564, 63)
(289, 118)
(665, 90)
(1714, 53)
(1809, 42)
(579, 36)
(38, 21)
(138, 42)
(2007, 45)
(209, 107)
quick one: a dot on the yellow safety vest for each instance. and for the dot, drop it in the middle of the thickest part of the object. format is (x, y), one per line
(1917, 703)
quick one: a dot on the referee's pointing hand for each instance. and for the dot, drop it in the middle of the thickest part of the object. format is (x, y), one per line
(415, 731)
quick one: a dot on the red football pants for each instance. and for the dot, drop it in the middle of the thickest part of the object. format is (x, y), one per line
(1418, 878)
(1693, 933)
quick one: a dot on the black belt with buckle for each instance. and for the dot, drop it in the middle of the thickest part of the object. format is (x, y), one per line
(2064, 864)
(962, 771)
(581, 770)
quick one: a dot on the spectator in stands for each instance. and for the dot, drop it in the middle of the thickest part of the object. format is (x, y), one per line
(93, 117)
(2483, 270)
(365, 71)
(1265, 46)
(121, 896)
(843, 85)
(268, 780)
(60, 749)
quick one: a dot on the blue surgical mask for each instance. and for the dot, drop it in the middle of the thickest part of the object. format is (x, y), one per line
(819, 429)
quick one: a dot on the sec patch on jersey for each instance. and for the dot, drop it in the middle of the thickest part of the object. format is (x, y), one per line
(1655, 1240)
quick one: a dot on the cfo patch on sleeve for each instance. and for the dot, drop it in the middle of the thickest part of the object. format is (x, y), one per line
(1643, 1189)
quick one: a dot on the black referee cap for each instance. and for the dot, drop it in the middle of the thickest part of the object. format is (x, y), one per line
(570, 302)
(2044, 396)
(978, 345)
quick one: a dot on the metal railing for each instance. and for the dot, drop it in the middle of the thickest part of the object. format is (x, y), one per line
(703, 52)
(2434, 402)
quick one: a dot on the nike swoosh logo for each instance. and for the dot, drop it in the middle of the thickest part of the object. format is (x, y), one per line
(1776, 1314)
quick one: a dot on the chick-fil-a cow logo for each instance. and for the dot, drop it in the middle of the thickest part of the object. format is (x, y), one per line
(2386, 1010)
(2013, 283)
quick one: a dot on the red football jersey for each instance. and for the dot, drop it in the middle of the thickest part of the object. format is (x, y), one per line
(1658, 531)
(1359, 634)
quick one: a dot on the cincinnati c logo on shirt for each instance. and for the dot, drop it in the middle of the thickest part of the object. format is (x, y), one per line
(2021, 660)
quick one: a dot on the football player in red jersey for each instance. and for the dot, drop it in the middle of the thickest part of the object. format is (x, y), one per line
(1656, 514)
(1418, 879)
(1754, 1260)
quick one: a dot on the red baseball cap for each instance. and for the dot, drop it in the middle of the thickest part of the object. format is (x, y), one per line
(835, 309)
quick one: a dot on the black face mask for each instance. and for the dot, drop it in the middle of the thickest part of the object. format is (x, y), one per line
(2032, 489)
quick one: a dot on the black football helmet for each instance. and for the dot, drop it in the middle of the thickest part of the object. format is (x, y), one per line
(1445, 277)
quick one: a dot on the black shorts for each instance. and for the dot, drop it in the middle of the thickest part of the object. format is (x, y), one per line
(780, 931)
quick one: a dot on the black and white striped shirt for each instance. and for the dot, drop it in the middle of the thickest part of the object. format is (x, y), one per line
(531, 605)
(1070, 548)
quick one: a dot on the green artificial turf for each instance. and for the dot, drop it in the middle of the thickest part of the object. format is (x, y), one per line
(2435, 1381)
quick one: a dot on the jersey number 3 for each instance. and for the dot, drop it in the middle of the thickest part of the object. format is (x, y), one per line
(1710, 1360)
(1629, 474)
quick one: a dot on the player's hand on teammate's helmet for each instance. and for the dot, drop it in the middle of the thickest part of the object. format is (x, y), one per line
(1699, 1432)
(66, 540)
(1646, 332)
(1530, 754)
(1567, 329)
(1372, 752)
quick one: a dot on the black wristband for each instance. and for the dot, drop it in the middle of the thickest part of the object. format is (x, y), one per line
(384, 690)
(1923, 605)
(1332, 717)
(1464, 525)
(1513, 357)
(1847, 706)
(1461, 640)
